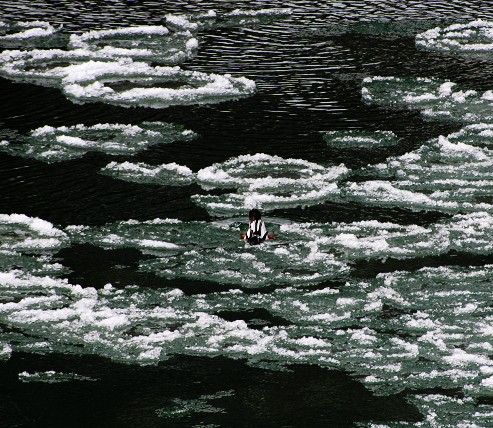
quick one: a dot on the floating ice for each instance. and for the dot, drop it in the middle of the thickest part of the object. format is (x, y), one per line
(360, 139)
(437, 99)
(126, 83)
(22, 233)
(475, 37)
(45, 67)
(156, 235)
(149, 43)
(259, 267)
(234, 18)
(99, 66)
(170, 174)
(214, 251)
(51, 377)
(49, 144)
(5, 351)
(267, 182)
(183, 408)
(31, 34)
(304, 253)
(451, 174)
(399, 331)
(29, 243)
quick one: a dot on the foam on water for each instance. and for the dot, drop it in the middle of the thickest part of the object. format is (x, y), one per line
(267, 182)
(451, 174)
(473, 38)
(435, 98)
(360, 139)
(170, 174)
(49, 144)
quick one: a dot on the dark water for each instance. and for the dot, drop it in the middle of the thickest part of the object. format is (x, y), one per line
(308, 69)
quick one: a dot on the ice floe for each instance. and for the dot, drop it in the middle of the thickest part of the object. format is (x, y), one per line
(473, 38)
(235, 18)
(148, 42)
(304, 253)
(170, 174)
(126, 83)
(214, 251)
(360, 139)
(184, 408)
(29, 243)
(28, 34)
(435, 98)
(51, 376)
(21, 233)
(125, 66)
(451, 174)
(267, 182)
(50, 144)
(400, 331)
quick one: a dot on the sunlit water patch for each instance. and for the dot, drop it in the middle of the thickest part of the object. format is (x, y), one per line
(451, 174)
(474, 38)
(360, 139)
(49, 144)
(435, 98)
(170, 174)
(267, 182)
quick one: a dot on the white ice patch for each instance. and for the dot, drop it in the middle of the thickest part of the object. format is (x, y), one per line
(29, 243)
(360, 139)
(51, 377)
(127, 83)
(49, 144)
(267, 182)
(436, 99)
(99, 66)
(451, 174)
(414, 341)
(473, 38)
(304, 253)
(170, 174)
(30, 34)
(148, 42)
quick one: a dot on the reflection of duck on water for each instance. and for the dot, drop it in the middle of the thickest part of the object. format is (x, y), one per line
(257, 232)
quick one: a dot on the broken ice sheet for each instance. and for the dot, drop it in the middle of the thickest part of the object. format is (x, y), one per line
(267, 182)
(50, 144)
